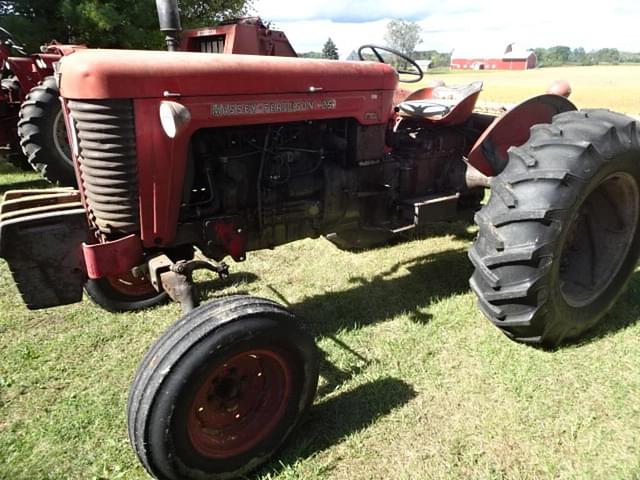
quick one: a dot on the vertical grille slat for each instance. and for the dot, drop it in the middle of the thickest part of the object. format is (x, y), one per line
(107, 163)
(213, 44)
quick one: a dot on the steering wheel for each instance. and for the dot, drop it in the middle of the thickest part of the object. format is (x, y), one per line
(418, 73)
(11, 41)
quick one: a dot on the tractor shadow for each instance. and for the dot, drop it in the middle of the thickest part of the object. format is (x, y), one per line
(624, 314)
(406, 288)
(461, 228)
(31, 184)
(211, 288)
(335, 419)
(6, 168)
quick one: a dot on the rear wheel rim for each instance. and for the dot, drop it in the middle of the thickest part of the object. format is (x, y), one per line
(240, 403)
(599, 239)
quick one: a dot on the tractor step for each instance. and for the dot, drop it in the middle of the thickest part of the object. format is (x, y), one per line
(432, 208)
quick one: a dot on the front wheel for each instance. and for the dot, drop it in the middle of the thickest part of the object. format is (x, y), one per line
(221, 390)
(124, 293)
(559, 237)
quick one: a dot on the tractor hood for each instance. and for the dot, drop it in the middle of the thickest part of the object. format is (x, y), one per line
(107, 74)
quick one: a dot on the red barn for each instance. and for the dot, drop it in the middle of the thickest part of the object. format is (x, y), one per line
(510, 60)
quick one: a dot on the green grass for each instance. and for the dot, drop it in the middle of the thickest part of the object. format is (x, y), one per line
(415, 383)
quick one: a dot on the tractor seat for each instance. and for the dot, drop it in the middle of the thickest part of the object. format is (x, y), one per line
(441, 104)
(423, 108)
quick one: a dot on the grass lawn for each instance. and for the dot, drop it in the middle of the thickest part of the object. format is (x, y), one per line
(415, 383)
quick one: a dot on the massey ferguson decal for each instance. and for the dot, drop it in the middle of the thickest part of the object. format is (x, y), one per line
(262, 108)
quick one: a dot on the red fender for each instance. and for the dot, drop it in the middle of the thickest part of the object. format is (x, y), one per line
(489, 154)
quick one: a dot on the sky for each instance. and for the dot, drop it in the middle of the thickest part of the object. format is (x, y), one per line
(464, 25)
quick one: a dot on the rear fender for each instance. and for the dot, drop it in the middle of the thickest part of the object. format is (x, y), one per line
(489, 154)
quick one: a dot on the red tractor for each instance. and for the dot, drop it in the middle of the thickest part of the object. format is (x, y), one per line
(249, 36)
(31, 122)
(179, 152)
(32, 129)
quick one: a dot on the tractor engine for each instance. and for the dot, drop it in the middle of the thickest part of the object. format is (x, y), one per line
(278, 183)
(269, 180)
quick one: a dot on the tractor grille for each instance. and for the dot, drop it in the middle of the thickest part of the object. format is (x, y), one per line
(107, 162)
(214, 44)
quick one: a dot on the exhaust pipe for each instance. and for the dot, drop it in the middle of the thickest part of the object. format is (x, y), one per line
(169, 17)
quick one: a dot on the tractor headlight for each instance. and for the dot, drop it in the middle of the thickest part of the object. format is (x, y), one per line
(174, 117)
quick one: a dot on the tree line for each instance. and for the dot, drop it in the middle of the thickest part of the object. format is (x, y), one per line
(112, 24)
(563, 55)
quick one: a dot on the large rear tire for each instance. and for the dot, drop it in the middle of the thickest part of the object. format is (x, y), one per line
(43, 135)
(221, 390)
(559, 237)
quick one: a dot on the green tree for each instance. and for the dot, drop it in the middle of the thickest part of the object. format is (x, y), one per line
(607, 55)
(541, 56)
(439, 59)
(578, 55)
(558, 55)
(198, 13)
(115, 24)
(330, 50)
(403, 36)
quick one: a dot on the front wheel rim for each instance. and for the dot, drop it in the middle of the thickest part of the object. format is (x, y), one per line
(599, 239)
(130, 286)
(240, 403)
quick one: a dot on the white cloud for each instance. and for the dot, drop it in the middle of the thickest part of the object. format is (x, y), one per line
(310, 35)
(457, 24)
(340, 11)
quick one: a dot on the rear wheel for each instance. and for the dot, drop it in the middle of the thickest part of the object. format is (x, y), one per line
(221, 390)
(43, 134)
(559, 237)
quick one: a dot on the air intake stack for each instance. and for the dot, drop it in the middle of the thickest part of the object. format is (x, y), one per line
(169, 17)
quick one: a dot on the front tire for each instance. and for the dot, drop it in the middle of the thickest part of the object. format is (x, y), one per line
(124, 293)
(221, 390)
(43, 134)
(559, 237)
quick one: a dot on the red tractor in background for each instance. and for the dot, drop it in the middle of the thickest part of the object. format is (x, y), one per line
(249, 36)
(178, 153)
(32, 129)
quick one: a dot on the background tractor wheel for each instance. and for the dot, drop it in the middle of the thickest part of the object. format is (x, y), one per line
(221, 390)
(11, 84)
(11, 87)
(124, 293)
(559, 237)
(43, 135)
